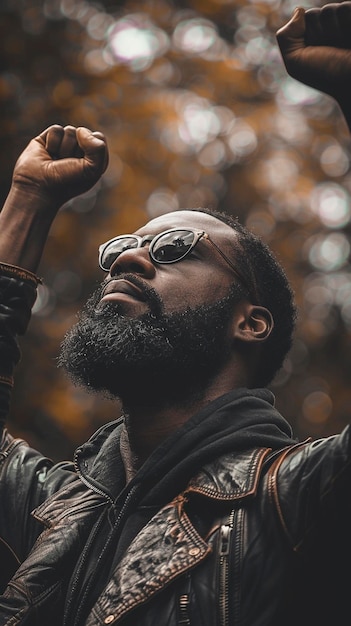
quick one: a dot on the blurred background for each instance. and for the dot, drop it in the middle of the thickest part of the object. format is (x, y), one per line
(199, 111)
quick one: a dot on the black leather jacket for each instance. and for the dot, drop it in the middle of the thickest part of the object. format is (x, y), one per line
(264, 546)
(256, 538)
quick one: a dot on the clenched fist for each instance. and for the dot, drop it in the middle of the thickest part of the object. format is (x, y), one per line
(316, 49)
(61, 163)
(57, 165)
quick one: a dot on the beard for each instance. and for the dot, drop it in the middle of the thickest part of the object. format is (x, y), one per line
(155, 359)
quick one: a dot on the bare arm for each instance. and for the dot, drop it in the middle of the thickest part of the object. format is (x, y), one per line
(316, 49)
(57, 165)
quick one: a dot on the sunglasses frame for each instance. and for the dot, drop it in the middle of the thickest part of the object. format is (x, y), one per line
(198, 234)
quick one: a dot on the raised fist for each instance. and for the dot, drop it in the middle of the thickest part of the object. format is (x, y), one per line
(316, 49)
(61, 163)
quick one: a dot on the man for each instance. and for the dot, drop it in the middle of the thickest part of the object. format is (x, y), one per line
(198, 506)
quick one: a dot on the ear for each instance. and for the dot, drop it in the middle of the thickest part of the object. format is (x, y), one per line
(252, 323)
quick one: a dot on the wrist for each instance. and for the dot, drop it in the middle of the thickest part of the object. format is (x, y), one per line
(33, 197)
(25, 221)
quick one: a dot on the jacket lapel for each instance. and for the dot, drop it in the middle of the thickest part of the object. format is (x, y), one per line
(165, 548)
(169, 545)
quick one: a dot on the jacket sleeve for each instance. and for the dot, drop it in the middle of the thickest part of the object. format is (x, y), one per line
(310, 485)
(26, 476)
(17, 296)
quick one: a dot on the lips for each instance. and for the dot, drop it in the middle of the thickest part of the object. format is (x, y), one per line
(122, 286)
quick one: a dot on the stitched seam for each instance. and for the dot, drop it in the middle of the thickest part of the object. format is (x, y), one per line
(19, 272)
(273, 490)
(32, 601)
(2, 540)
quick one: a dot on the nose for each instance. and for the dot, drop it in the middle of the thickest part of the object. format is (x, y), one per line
(134, 260)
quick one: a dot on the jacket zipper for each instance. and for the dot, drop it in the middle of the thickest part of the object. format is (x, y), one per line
(183, 603)
(85, 480)
(85, 552)
(184, 610)
(85, 556)
(224, 549)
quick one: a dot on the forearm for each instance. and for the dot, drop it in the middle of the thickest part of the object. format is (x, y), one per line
(57, 165)
(24, 225)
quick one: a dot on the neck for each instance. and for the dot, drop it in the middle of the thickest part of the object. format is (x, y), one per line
(147, 426)
(145, 431)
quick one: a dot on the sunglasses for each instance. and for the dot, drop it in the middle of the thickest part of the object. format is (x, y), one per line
(170, 246)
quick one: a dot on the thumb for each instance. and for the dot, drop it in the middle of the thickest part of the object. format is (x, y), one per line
(291, 36)
(94, 147)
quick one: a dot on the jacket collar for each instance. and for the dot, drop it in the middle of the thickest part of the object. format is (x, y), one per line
(240, 420)
(231, 476)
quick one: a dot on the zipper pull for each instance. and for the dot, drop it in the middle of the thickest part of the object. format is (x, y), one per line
(224, 541)
(183, 610)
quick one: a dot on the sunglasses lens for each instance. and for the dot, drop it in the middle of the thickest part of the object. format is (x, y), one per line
(112, 250)
(172, 246)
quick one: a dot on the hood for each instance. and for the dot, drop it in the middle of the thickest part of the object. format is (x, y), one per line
(240, 420)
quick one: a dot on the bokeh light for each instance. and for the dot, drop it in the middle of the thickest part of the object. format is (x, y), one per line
(198, 110)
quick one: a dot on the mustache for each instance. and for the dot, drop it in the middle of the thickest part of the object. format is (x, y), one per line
(150, 295)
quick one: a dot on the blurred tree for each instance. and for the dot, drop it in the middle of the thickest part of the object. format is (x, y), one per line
(198, 110)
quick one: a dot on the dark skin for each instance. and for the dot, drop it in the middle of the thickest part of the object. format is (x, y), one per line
(316, 49)
(62, 163)
(202, 277)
